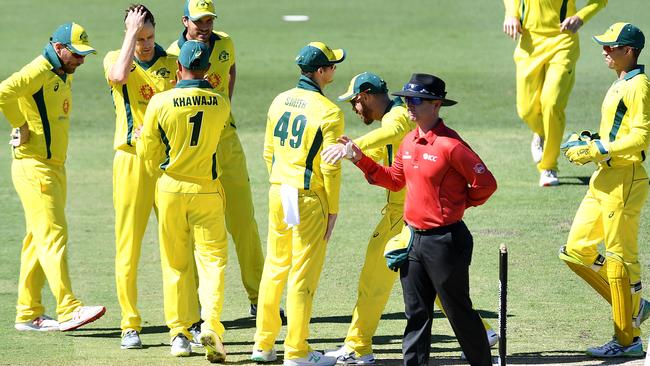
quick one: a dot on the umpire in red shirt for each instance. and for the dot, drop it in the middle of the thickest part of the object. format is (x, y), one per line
(443, 176)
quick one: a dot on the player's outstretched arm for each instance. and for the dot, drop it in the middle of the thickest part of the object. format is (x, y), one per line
(118, 72)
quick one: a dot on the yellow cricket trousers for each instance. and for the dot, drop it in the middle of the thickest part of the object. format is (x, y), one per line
(190, 210)
(42, 191)
(134, 190)
(294, 256)
(610, 213)
(545, 76)
(240, 214)
(375, 282)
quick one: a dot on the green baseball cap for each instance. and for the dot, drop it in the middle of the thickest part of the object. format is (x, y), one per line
(194, 55)
(364, 82)
(622, 34)
(74, 37)
(317, 54)
(197, 9)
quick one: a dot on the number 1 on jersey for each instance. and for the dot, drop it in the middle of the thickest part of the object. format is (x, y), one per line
(297, 129)
(196, 120)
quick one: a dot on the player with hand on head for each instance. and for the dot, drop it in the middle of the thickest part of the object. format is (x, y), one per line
(198, 20)
(182, 128)
(303, 205)
(37, 101)
(545, 59)
(135, 73)
(368, 95)
(611, 209)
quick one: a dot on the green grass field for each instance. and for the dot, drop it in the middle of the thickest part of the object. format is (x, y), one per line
(553, 315)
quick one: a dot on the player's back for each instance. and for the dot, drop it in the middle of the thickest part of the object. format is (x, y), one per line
(300, 121)
(190, 119)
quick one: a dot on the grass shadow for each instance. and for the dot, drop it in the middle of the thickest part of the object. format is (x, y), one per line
(575, 181)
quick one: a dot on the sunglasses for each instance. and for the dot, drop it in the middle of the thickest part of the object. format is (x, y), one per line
(414, 100)
(609, 49)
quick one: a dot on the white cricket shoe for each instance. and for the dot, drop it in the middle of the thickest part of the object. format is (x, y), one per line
(537, 148)
(263, 356)
(614, 349)
(346, 357)
(492, 336)
(41, 324)
(314, 358)
(195, 331)
(548, 178)
(181, 346)
(81, 316)
(214, 350)
(644, 313)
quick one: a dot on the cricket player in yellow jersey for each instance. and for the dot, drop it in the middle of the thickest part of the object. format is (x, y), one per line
(198, 20)
(610, 211)
(368, 95)
(303, 205)
(137, 71)
(545, 60)
(37, 101)
(185, 123)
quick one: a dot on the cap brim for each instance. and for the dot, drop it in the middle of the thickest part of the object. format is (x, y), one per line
(603, 40)
(346, 97)
(406, 93)
(197, 17)
(339, 55)
(82, 49)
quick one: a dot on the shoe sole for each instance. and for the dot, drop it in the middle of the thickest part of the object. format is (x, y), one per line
(260, 359)
(87, 321)
(181, 354)
(26, 328)
(628, 355)
(131, 347)
(211, 352)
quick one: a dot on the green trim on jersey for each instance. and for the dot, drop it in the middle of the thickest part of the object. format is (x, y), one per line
(621, 109)
(313, 151)
(308, 84)
(42, 111)
(639, 70)
(158, 52)
(194, 83)
(165, 140)
(563, 10)
(51, 57)
(214, 166)
(129, 114)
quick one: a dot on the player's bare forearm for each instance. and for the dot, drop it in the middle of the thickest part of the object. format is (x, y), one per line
(119, 72)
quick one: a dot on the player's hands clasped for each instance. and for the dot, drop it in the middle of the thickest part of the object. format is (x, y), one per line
(572, 23)
(512, 27)
(345, 148)
(585, 147)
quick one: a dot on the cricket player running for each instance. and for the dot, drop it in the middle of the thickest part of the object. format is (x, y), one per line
(182, 128)
(618, 189)
(368, 95)
(198, 20)
(37, 101)
(137, 71)
(303, 205)
(545, 59)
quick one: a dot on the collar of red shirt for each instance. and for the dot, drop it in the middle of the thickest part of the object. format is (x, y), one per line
(432, 134)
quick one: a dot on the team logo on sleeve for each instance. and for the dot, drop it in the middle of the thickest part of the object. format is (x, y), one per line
(224, 56)
(214, 80)
(66, 106)
(479, 168)
(146, 92)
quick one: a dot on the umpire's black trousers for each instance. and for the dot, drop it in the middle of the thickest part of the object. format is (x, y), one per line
(438, 263)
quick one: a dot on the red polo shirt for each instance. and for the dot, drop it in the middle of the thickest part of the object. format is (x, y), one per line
(442, 174)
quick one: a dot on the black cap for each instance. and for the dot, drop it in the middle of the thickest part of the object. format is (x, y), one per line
(425, 86)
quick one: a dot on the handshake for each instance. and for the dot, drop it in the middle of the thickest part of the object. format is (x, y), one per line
(345, 148)
(585, 147)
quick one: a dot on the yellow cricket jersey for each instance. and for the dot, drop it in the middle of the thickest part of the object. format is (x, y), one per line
(625, 122)
(383, 142)
(301, 122)
(543, 17)
(182, 127)
(131, 99)
(43, 99)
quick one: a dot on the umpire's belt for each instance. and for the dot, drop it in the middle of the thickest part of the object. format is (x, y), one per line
(439, 230)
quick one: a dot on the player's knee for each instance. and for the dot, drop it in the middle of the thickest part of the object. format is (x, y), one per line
(572, 257)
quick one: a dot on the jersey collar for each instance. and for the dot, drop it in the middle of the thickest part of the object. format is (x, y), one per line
(51, 57)
(395, 102)
(194, 83)
(308, 84)
(158, 52)
(432, 134)
(639, 70)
